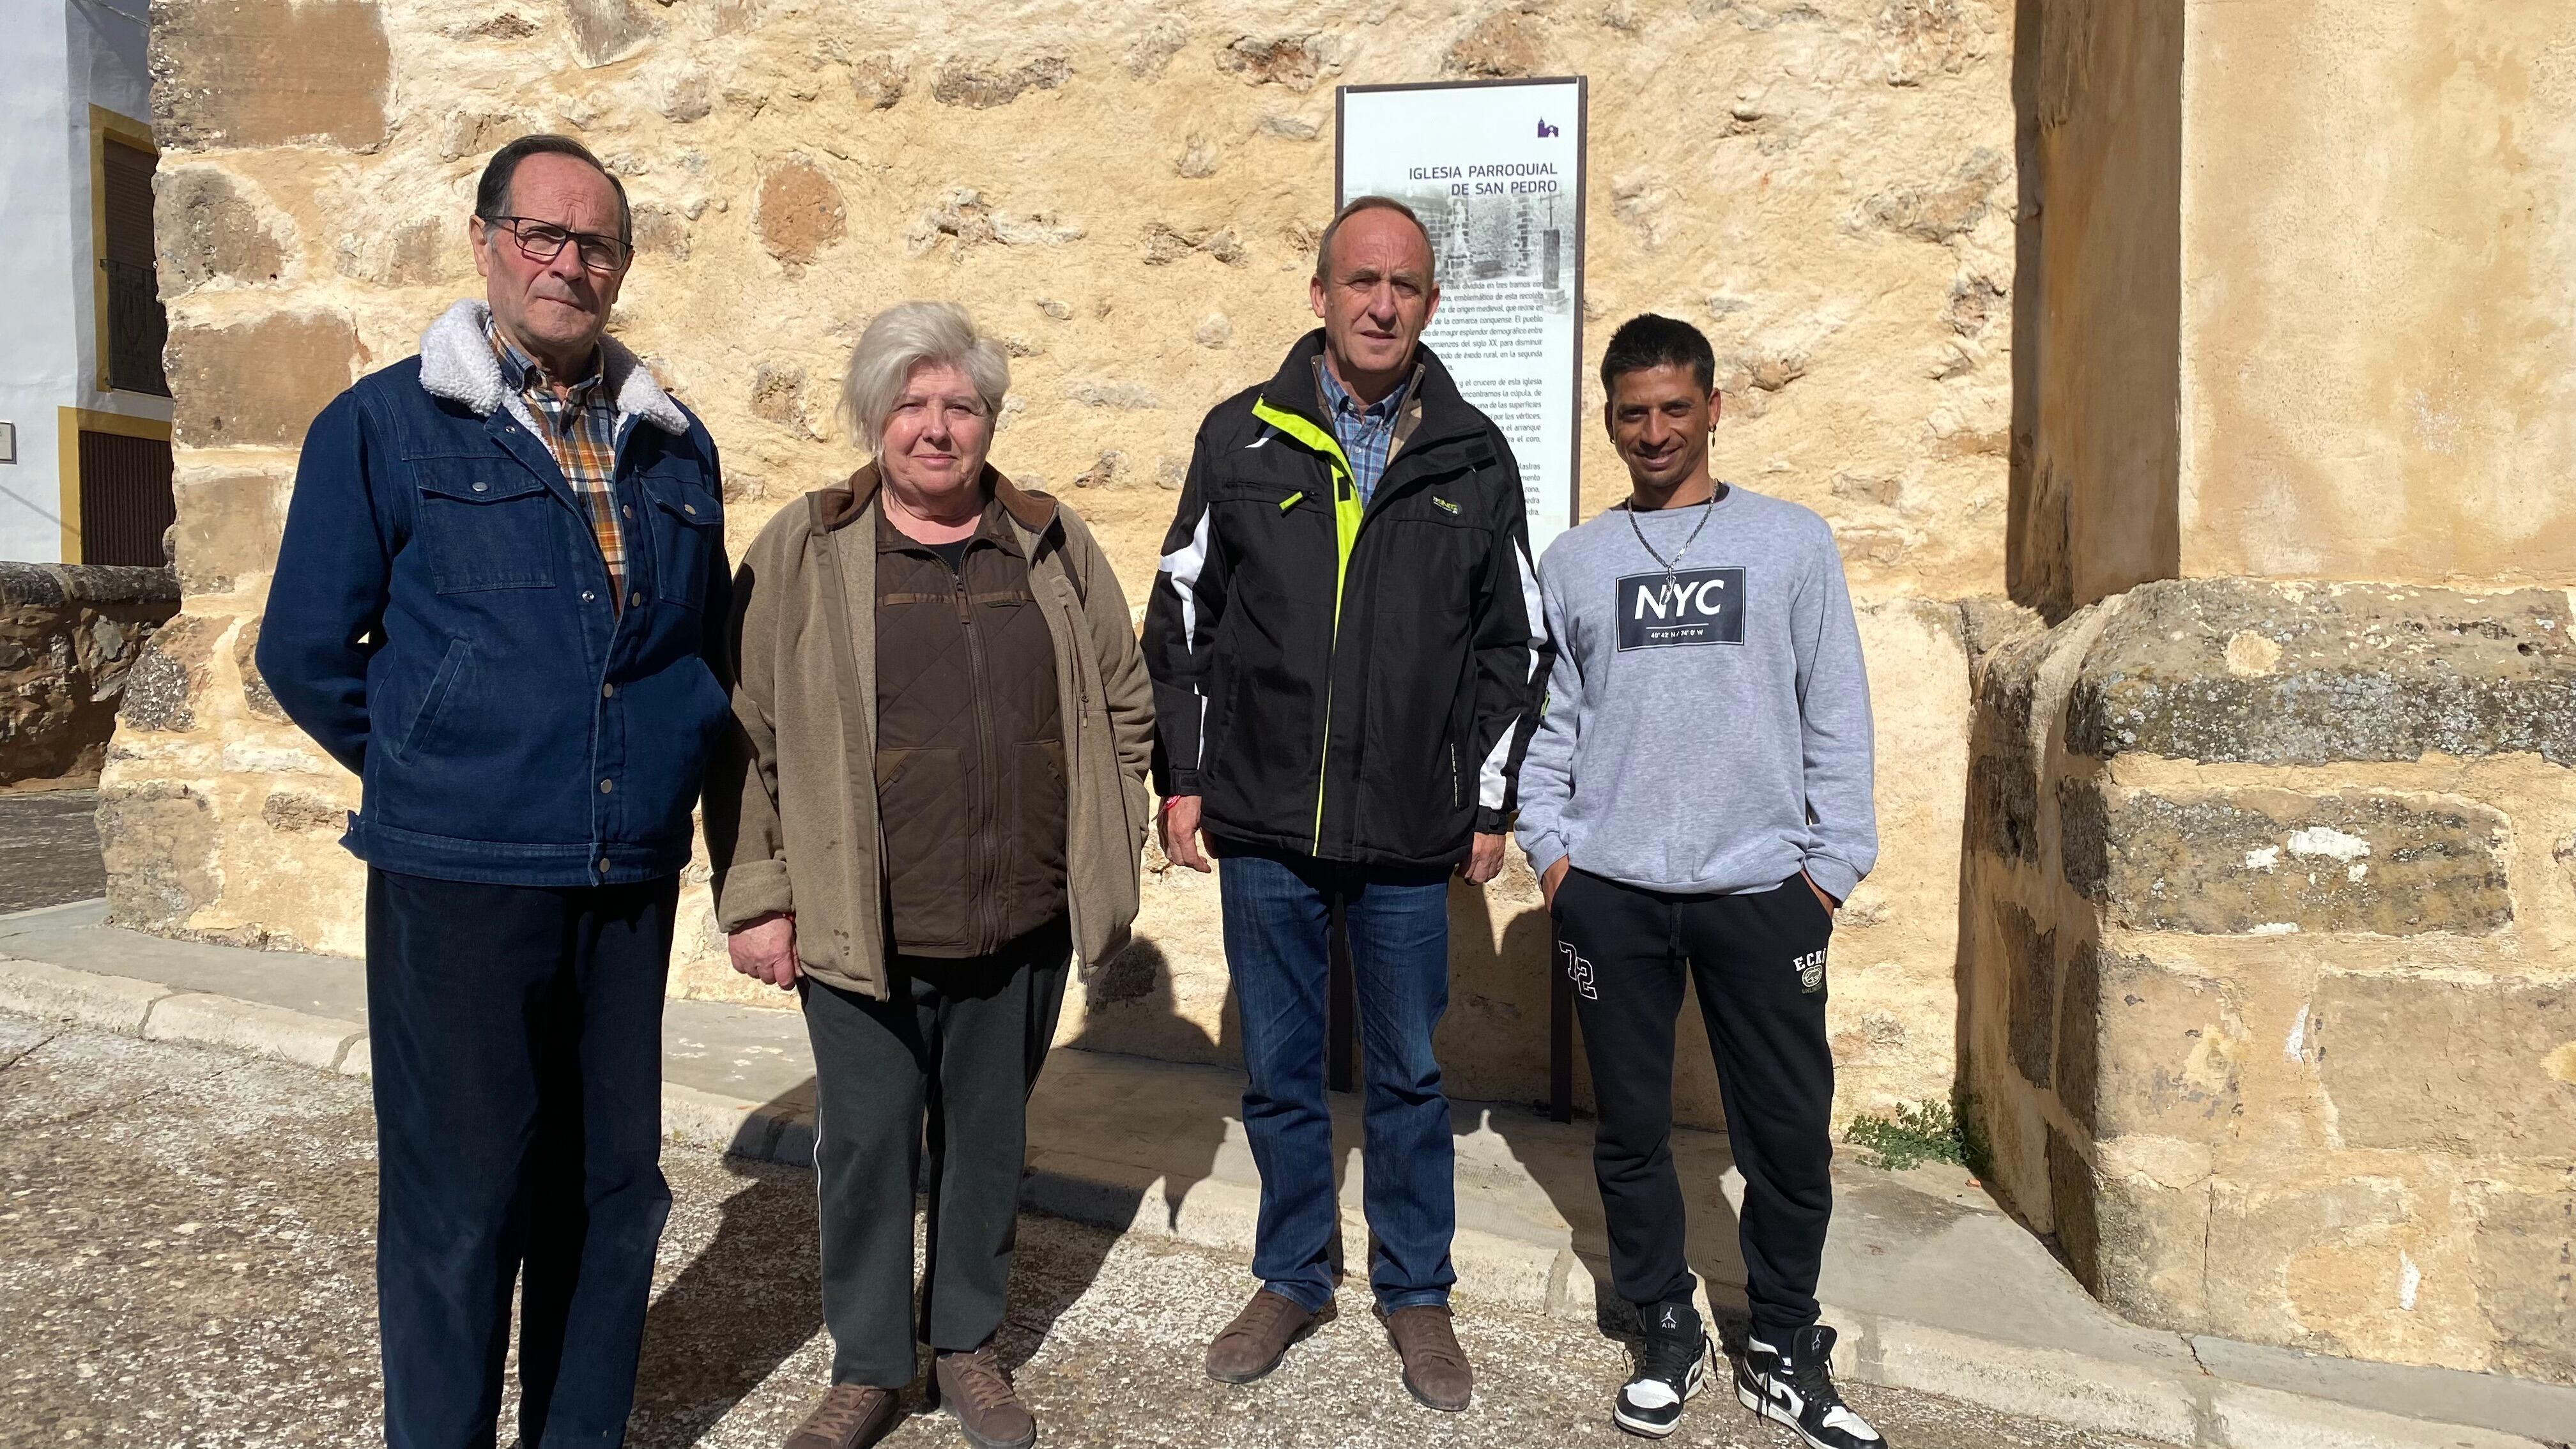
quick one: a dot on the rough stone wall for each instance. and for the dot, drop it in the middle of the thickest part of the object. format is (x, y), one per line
(69, 636)
(2271, 962)
(1129, 196)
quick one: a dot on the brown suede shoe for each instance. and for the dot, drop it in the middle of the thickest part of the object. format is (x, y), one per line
(989, 1412)
(851, 1416)
(1258, 1338)
(1435, 1367)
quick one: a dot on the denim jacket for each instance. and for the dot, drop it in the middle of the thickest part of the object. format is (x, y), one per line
(441, 623)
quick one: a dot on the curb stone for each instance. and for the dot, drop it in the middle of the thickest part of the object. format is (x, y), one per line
(2181, 1407)
(268, 1031)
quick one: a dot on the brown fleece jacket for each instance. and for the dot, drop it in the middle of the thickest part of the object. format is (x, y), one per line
(791, 803)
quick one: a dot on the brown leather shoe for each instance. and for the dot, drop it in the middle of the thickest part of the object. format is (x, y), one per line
(851, 1416)
(989, 1412)
(1435, 1367)
(1258, 1338)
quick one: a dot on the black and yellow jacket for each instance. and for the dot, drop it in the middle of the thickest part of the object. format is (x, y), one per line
(1351, 683)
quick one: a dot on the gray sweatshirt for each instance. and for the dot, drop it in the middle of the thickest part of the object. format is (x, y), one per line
(1709, 734)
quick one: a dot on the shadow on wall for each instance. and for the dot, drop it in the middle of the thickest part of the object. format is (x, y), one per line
(1496, 1034)
(1131, 1008)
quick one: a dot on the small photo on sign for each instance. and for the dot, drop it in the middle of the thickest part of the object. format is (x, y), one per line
(1696, 606)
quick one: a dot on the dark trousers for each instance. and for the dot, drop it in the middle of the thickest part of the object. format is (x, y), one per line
(516, 1035)
(1278, 925)
(955, 1048)
(1758, 961)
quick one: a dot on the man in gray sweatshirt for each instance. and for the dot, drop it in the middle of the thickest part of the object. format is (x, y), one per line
(1697, 799)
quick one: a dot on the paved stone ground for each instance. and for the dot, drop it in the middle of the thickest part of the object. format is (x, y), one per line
(185, 1244)
(49, 849)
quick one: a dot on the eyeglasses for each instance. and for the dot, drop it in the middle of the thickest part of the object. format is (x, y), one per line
(543, 241)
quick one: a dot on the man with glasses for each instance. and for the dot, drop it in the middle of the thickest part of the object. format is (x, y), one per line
(508, 553)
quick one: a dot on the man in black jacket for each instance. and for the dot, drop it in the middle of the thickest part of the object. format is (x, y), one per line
(1344, 644)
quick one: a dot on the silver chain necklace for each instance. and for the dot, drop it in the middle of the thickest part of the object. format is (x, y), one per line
(1673, 566)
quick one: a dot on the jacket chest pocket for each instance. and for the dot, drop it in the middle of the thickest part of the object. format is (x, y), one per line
(688, 536)
(486, 525)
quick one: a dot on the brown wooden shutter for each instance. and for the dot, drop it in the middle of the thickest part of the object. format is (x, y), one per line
(125, 499)
(136, 325)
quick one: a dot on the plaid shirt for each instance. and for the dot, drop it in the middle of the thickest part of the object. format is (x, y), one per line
(1367, 434)
(580, 429)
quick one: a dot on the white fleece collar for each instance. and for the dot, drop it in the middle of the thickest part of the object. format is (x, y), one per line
(456, 363)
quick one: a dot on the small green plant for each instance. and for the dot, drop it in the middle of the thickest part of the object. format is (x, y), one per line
(1914, 1134)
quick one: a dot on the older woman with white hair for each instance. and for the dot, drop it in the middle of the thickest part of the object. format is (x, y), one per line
(934, 798)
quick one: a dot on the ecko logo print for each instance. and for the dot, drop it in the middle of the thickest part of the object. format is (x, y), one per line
(1811, 971)
(1697, 606)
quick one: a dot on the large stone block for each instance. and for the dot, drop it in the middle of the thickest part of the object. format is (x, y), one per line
(2151, 1246)
(2525, 1267)
(2427, 1065)
(2264, 861)
(256, 695)
(241, 73)
(2163, 1055)
(2243, 670)
(161, 689)
(160, 840)
(209, 231)
(2074, 1209)
(229, 527)
(260, 382)
(2030, 983)
(2270, 1246)
(2079, 1033)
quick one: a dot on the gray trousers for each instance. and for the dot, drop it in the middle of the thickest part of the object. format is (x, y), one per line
(945, 1064)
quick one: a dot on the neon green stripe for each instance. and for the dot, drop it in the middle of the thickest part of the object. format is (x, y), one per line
(1347, 511)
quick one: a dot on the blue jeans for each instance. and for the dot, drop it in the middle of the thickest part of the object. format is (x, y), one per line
(1277, 925)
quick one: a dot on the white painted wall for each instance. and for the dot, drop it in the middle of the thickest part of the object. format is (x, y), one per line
(69, 55)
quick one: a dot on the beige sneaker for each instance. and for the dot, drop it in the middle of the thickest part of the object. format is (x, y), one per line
(989, 1412)
(851, 1416)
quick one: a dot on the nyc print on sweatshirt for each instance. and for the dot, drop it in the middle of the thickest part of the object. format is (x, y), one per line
(1695, 606)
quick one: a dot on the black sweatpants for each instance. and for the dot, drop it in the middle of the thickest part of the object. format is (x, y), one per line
(955, 1047)
(1759, 963)
(516, 1033)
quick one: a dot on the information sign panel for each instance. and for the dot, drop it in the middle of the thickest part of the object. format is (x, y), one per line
(1495, 171)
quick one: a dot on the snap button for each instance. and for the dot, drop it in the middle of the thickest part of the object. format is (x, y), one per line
(628, 510)
(606, 691)
(587, 596)
(689, 508)
(482, 487)
(607, 786)
(635, 599)
(603, 865)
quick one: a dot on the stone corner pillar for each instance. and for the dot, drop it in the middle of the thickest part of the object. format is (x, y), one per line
(2270, 945)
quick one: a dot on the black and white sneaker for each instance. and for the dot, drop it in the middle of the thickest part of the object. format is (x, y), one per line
(1797, 1389)
(1672, 1365)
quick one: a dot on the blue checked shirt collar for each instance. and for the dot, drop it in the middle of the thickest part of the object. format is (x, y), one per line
(527, 379)
(1367, 434)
